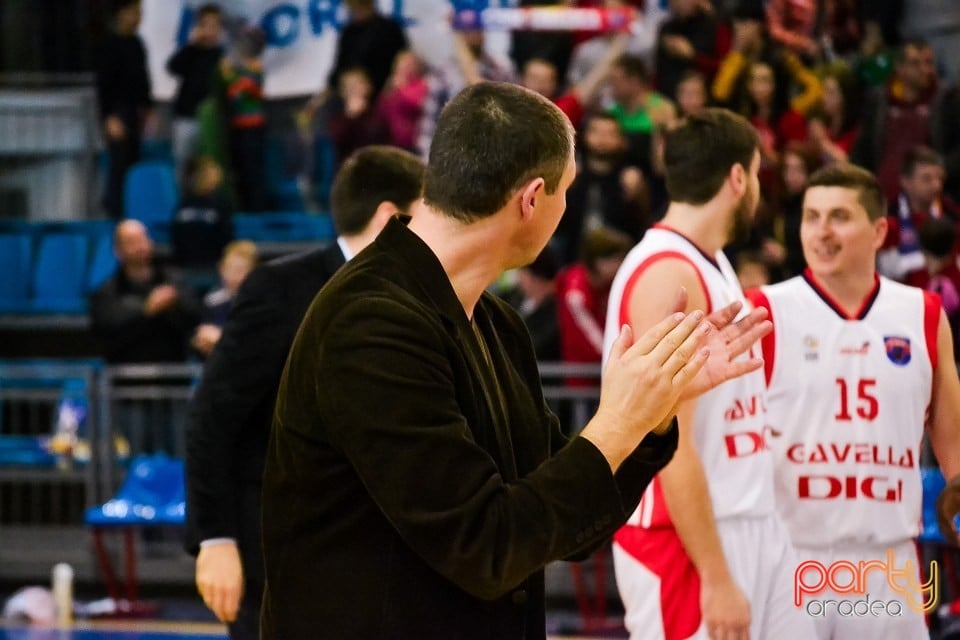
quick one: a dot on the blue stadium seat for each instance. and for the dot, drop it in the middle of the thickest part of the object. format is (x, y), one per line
(284, 227)
(104, 263)
(152, 494)
(150, 195)
(282, 186)
(933, 483)
(59, 277)
(16, 261)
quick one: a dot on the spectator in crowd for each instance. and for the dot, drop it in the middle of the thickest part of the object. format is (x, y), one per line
(123, 97)
(637, 106)
(471, 63)
(369, 41)
(582, 292)
(834, 127)
(938, 23)
(239, 259)
(195, 64)
(355, 121)
(540, 75)
(751, 43)
(765, 102)
(642, 42)
(402, 100)
(692, 94)
(840, 28)
(898, 116)
(202, 224)
(231, 411)
(535, 299)
(940, 274)
(693, 38)
(793, 24)
(920, 199)
(797, 163)
(242, 78)
(554, 47)
(608, 191)
(139, 314)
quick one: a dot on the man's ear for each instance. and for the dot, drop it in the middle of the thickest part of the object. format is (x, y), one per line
(381, 216)
(528, 196)
(738, 179)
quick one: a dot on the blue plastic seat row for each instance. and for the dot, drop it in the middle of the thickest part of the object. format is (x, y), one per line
(52, 272)
(283, 227)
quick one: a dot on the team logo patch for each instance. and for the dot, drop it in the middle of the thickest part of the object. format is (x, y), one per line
(898, 349)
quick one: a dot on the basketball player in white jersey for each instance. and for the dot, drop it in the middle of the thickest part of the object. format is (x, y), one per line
(704, 555)
(857, 365)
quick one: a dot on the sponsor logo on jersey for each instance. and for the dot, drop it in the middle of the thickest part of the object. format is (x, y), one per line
(810, 348)
(844, 577)
(748, 443)
(856, 452)
(862, 350)
(898, 349)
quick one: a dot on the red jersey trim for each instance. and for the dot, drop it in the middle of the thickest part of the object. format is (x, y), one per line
(624, 311)
(831, 302)
(767, 343)
(931, 324)
(706, 256)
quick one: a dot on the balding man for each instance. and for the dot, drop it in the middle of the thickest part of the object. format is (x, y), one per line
(140, 315)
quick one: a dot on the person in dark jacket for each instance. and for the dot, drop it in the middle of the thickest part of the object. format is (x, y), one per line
(140, 314)
(415, 483)
(194, 64)
(233, 406)
(123, 98)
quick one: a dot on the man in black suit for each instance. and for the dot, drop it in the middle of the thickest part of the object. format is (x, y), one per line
(416, 483)
(233, 406)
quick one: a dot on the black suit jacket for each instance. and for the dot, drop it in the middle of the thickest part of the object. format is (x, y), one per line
(233, 406)
(411, 490)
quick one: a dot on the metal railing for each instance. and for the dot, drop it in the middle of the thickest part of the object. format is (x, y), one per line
(49, 141)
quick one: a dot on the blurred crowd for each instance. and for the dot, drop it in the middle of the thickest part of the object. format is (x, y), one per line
(822, 81)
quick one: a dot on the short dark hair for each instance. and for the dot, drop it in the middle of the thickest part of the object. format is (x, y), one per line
(938, 237)
(209, 9)
(368, 177)
(632, 66)
(920, 44)
(490, 139)
(603, 242)
(917, 156)
(699, 153)
(850, 176)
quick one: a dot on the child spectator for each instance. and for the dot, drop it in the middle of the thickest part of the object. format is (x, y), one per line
(402, 100)
(239, 259)
(355, 121)
(582, 292)
(203, 224)
(242, 78)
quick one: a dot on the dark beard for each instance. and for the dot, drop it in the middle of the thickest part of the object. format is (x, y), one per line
(742, 224)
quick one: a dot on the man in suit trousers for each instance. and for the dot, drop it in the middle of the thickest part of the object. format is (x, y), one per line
(415, 482)
(233, 406)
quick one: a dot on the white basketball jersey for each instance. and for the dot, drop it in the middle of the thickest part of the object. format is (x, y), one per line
(848, 399)
(729, 421)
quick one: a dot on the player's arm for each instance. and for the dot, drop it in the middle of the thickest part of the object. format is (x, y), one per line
(725, 610)
(945, 427)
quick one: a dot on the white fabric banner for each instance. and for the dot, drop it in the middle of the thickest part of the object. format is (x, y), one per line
(301, 37)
